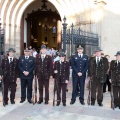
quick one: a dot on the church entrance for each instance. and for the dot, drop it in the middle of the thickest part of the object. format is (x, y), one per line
(42, 26)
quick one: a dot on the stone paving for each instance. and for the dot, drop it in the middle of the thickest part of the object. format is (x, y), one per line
(26, 111)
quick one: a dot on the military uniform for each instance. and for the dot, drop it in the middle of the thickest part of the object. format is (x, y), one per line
(43, 71)
(61, 76)
(97, 72)
(115, 78)
(26, 64)
(10, 74)
(79, 64)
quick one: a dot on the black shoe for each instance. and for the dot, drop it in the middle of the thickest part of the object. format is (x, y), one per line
(58, 103)
(92, 104)
(12, 102)
(104, 91)
(39, 102)
(64, 104)
(22, 101)
(100, 104)
(115, 106)
(72, 102)
(30, 101)
(82, 103)
(119, 107)
(6, 103)
(46, 102)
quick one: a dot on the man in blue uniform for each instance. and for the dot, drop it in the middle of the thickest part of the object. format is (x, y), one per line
(79, 63)
(26, 66)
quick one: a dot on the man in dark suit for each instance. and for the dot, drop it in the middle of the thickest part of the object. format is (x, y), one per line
(43, 72)
(79, 63)
(61, 71)
(98, 67)
(26, 66)
(9, 67)
(115, 79)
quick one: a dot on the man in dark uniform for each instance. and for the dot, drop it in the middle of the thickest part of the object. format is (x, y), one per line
(115, 79)
(79, 63)
(26, 66)
(98, 67)
(61, 70)
(10, 74)
(43, 72)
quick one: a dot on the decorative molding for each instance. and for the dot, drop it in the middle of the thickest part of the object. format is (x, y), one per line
(84, 23)
(100, 3)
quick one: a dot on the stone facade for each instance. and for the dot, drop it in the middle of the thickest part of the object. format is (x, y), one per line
(100, 17)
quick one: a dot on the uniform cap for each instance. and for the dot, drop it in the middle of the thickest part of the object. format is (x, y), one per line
(43, 46)
(62, 54)
(26, 50)
(11, 49)
(79, 47)
(97, 49)
(118, 53)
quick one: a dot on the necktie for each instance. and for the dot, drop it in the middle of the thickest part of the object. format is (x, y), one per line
(42, 58)
(10, 60)
(97, 61)
(118, 63)
(26, 58)
(80, 56)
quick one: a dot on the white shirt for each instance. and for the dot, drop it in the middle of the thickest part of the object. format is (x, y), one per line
(43, 56)
(80, 54)
(9, 58)
(27, 57)
(118, 61)
(97, 59)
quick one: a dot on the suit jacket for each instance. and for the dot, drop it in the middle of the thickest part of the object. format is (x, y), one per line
(102, 69)
(79, 64)
(114, 74)
(10, 70)
(64, 71)
(26, 65)
(44, 68)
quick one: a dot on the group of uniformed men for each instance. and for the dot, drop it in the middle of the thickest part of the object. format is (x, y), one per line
(42, 68)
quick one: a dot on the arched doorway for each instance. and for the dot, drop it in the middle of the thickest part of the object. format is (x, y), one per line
(41, 26)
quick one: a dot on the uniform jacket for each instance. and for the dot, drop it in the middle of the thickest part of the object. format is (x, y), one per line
(115, 73)
(103, 67)
(26, 65)
(79, 64)
(44, 68)
(63, 72)
(10, 70)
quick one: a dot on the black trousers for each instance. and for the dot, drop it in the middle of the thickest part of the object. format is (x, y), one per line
(43, 83)
(116, 94)
(81, 82)
(96, 87)
(107, 83)
(61, 87)
(26, 84)
(9, 86)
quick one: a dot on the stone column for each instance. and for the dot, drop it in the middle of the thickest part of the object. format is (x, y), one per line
(59, 30)
(17, 41)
